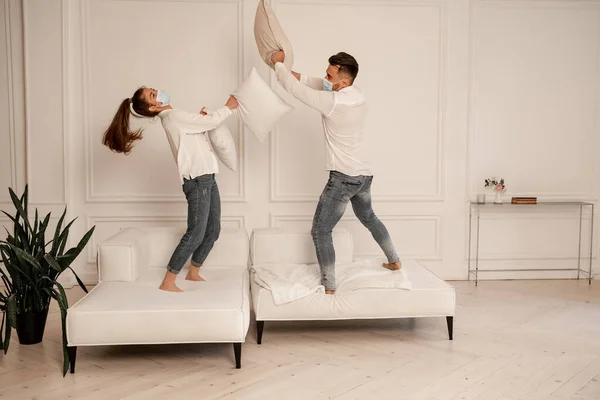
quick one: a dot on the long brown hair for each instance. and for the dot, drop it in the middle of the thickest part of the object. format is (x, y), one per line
(118, 137)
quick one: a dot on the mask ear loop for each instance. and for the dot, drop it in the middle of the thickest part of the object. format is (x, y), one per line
(152, 119)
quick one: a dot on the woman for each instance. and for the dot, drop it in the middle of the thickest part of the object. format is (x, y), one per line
(197, 168)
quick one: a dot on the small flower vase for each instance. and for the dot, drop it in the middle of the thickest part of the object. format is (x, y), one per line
(497, 199)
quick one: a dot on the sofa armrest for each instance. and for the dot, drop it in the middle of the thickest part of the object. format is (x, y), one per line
(122, 257)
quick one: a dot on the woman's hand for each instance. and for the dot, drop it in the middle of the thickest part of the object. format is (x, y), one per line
(159, 107)
(232, 103)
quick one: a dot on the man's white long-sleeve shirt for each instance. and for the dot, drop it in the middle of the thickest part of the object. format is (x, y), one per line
(343, 116)
(187, 134)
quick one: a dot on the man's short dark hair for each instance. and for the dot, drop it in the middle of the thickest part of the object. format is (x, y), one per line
(346, 63)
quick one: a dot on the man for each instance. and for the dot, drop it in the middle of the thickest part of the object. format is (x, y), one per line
(343, 113)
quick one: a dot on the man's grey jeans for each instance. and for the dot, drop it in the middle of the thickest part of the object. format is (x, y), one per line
(340, 190)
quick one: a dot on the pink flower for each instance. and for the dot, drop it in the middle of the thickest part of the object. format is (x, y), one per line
(499, 187)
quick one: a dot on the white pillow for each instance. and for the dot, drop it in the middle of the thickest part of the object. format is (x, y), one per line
(270, 37)
(224, 146)
(259, 106)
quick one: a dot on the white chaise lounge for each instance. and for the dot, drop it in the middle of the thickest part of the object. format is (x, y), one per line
(429, 297)
(127, 307)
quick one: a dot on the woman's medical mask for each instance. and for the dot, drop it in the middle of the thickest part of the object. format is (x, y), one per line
(163, 97)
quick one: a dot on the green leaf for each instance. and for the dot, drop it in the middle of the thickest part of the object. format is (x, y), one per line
(35, 223)
(61, 298)
(17, 279)
(7, 282)
(41, 236)
(11, 310)
(74, 252)
(19, 206)
(55, 242)
(19, 233)
(7, 334)
(25, 199)
(25, 256)
(52, 262)
(1, 336)
(62, 239)
(79, 280)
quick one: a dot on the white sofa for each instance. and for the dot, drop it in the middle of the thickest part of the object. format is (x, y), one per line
(126, 307)
(430, 296)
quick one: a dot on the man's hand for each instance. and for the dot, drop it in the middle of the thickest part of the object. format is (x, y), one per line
(277, 56)
(232, 103)
(203, 111)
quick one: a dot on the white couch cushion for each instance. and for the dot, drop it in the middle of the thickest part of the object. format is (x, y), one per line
(230, 250)
(429, 297)
(216, 310)
(290, 245)
(125, 256)
(121, 257)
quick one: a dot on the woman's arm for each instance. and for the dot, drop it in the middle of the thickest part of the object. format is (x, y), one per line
(202, 122)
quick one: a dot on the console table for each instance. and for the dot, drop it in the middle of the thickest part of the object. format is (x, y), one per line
(475, 210)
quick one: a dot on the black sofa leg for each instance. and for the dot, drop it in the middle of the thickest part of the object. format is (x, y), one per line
(260, 325)
(72, 357)
(237, 350)
(450, 321)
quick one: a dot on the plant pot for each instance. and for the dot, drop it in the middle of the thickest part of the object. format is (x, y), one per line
(30, 327)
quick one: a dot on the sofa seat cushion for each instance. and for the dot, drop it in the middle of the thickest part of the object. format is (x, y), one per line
(429, 296)
(216, 310)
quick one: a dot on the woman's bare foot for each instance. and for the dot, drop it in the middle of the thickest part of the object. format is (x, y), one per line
(168, 284)
(194, 274)
(330, 292)
(392, 266)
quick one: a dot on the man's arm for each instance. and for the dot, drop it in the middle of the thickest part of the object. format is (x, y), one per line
(315, 83)
(310, 81)
(320, 100)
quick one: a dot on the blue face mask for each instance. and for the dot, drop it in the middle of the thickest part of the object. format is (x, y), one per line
(328, 86)
(163, 97)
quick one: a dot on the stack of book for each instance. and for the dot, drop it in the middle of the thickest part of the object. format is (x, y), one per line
(524, 200)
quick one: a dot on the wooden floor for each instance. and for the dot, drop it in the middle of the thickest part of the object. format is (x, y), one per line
(513, 340)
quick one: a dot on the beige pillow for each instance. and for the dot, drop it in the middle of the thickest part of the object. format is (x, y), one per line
(270, 37)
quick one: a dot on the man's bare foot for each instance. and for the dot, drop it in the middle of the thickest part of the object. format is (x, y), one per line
(392, 266)
(194, 274)
(330, 292)
(168, 284)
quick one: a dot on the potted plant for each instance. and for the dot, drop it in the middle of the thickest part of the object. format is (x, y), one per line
(30, 271)
(498, 185)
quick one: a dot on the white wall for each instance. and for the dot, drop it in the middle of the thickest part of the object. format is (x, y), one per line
(458, 91)
(12, 119)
